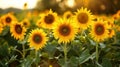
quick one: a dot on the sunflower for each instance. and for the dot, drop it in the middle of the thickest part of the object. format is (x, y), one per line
(1, 21)
(110, 22)
(17, 31)
(49, 19)
(103, 17)
(25, 23)
(37, 39)
(111, 33)
(118, 13)
(115, 16)
(117, 27)
(67, 14)
(84, 18)
(8, 19)
(39, 23)
(65, 30)
(99, 30)
(1, 28)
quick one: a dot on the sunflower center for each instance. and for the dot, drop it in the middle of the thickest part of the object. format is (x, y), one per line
(8, 19)
(49, 19)
(99, 29)
(64, 30)
(18, 29)
(25, 23)
(82, 18)
(37, 38)
(68, 16)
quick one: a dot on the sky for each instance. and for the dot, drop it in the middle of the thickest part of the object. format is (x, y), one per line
(17, 3)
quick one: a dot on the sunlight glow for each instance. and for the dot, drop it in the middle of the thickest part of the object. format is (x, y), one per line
(70, 3)
(17, 3)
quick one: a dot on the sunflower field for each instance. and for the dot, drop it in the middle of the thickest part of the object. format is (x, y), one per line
(47, 39)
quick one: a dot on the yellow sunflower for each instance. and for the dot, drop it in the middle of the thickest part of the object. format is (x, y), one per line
(103, 17)
(84, 18)
(118, 13)
(25, 23)
(8, 19)
(65, 31)
(49, 19)
(111, 33)
(1, 28)
(110, 22)
(1, 21)
(115, 16)
(37, 39)
(117, 28)
(67, 14)
(17, 31)
(39, 23)
(99, 30)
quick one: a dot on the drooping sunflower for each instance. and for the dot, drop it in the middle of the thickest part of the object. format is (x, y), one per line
(84, 18)
(17, 31)
(65, 30)
(25, 23)
(67, 14)
(37, 39)
(49, 19)
(8, 19)
(99, 30)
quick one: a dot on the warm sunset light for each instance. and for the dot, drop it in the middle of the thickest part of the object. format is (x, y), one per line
(59, 33)
(17, 3)
(70, 3)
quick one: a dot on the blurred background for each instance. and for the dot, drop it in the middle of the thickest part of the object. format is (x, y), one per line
(60, 6)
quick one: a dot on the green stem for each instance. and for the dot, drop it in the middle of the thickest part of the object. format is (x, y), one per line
(97, 54)
(36, 53)
(23, 46)
(19, 52)
(65, 54)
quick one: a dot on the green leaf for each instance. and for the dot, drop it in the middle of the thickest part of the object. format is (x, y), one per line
(98, 65)
(106, 62)
(13, 58)
(102, 45)
(5, 31)
(92, 42)
(59, 48)
(11, 41)
(27, 62)
(31, 59)
(50, 49)
(85, 56)
(73, 62)
(4, 49)
(75, 42)
(61, 62)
